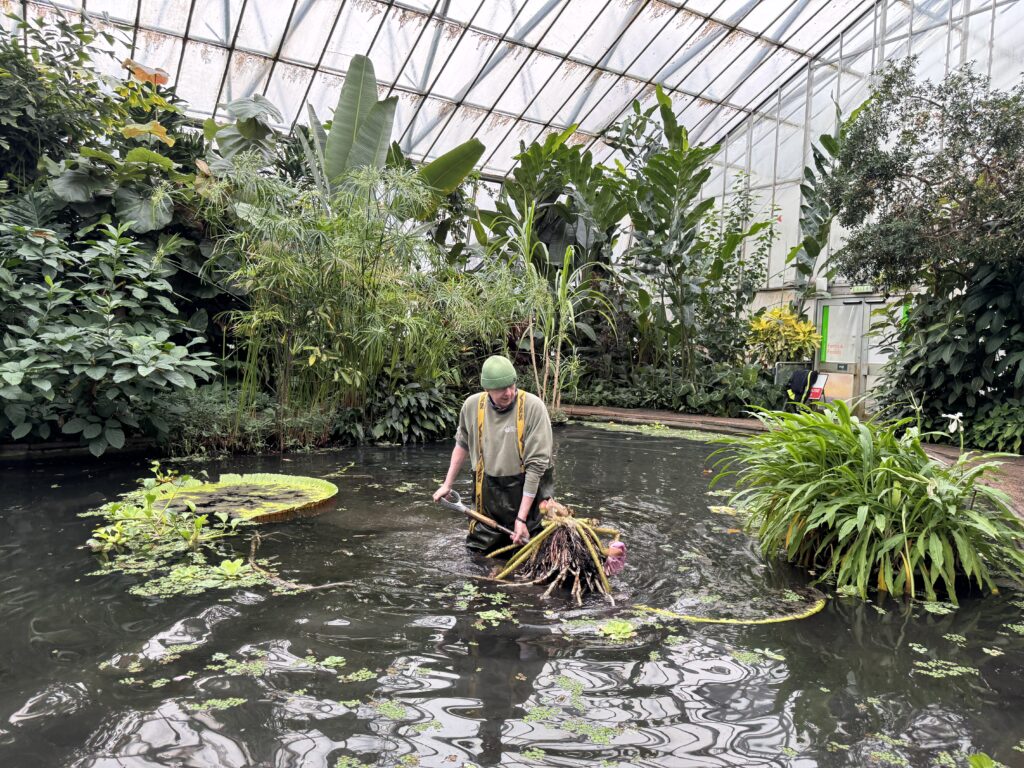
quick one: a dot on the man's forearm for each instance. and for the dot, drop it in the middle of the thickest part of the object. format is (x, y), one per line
(459, 455)
(525, 505)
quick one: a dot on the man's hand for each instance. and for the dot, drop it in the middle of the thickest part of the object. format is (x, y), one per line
(441, 492)
(522, 533)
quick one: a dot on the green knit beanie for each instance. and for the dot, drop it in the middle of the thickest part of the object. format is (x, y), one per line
(497, 373)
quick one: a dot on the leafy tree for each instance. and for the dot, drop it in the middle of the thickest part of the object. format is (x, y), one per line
(929, 180)
(51, 101)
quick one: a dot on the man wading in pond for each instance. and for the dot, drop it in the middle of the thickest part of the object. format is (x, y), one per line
(507, 436)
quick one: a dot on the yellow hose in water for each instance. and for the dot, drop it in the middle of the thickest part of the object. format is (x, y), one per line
(815, 608)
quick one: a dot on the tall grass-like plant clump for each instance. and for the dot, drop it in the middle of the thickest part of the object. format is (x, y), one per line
(862, 503)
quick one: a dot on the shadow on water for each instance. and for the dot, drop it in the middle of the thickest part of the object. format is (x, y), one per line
(419, 663)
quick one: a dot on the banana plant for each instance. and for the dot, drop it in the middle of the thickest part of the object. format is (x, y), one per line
(360, 136)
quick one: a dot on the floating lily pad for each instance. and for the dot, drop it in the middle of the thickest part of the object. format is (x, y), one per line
(259, 497)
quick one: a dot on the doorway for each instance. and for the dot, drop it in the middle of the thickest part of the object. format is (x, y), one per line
(849, 353)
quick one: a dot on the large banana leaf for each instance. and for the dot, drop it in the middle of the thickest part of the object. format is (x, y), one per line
(371, 145)
(444, 174)
(357, 99)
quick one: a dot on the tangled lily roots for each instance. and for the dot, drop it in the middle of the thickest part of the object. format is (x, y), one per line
(566, 553)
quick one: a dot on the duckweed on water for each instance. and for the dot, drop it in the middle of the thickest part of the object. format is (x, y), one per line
(938, 608)
(215, 704)
(541, 714)
(657, 429)
(618, 630)
(236, 667)
(596, 734)
(940, 668)
(955, 639)
(360, 675)
(392, 710)
(493, 618)
(889, 758)
(575, 690)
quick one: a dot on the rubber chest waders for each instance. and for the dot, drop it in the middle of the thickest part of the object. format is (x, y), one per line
(499, 496)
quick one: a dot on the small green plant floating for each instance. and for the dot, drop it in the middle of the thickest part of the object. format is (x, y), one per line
(861, 502)
(166, 529)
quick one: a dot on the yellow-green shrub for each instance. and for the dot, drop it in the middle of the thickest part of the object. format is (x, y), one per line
(778, 334)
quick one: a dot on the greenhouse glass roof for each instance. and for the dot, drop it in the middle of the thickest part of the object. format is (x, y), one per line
(504, 71)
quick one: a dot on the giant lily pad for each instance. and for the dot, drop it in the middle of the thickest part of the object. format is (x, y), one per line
(259, 497)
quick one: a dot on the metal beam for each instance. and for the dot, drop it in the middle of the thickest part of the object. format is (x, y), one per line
(426, 92)
(521, 117)
(316, 67)
(486, 68)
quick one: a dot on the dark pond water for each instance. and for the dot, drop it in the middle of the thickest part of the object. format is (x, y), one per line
(422, 685)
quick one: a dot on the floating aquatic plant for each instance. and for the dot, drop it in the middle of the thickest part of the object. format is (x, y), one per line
(211, 704)
(259, 497)
(619, 630)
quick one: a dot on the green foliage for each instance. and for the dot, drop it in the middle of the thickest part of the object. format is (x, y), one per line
(52, 101)
(87, 347)
(960, 350)
(777, 334)
(208, 420)
(342, 290)
(408, 412)
(252, 129)
(1000, 429)
(666, 212)
(720, 389)
(929, 180)
(862, 502)
(150, 533)
(735, 273)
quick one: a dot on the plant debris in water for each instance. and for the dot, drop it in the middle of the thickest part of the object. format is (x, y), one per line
(567, 552)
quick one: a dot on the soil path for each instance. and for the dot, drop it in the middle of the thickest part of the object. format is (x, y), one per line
(1009, 478)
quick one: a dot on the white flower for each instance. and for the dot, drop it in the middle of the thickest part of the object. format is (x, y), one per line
(955, 421)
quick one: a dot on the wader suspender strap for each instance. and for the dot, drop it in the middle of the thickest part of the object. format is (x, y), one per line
(481, 410)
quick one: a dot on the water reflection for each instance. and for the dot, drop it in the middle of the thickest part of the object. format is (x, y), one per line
(93, 677)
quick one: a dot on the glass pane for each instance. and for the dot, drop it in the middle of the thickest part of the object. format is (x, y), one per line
(528, 84)
(166, 15)
(202, 70)
(310, 27)
(287, 87)
(157, 50)
(118, 10)
(263, 25)
(215, 20)
(247, 74)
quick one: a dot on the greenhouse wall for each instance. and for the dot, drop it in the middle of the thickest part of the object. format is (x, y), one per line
(773, 144)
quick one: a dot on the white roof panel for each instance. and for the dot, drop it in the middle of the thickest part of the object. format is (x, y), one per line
(505, 72)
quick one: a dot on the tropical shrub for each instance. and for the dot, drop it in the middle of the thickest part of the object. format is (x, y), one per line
(777, 334)
(722, 389)
(410, 412)
(88, 341)
(207, 420)
(864, 505)
(52, 102)
(1000, 429)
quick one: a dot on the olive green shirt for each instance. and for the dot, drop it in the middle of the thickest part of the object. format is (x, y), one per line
(501, 447)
